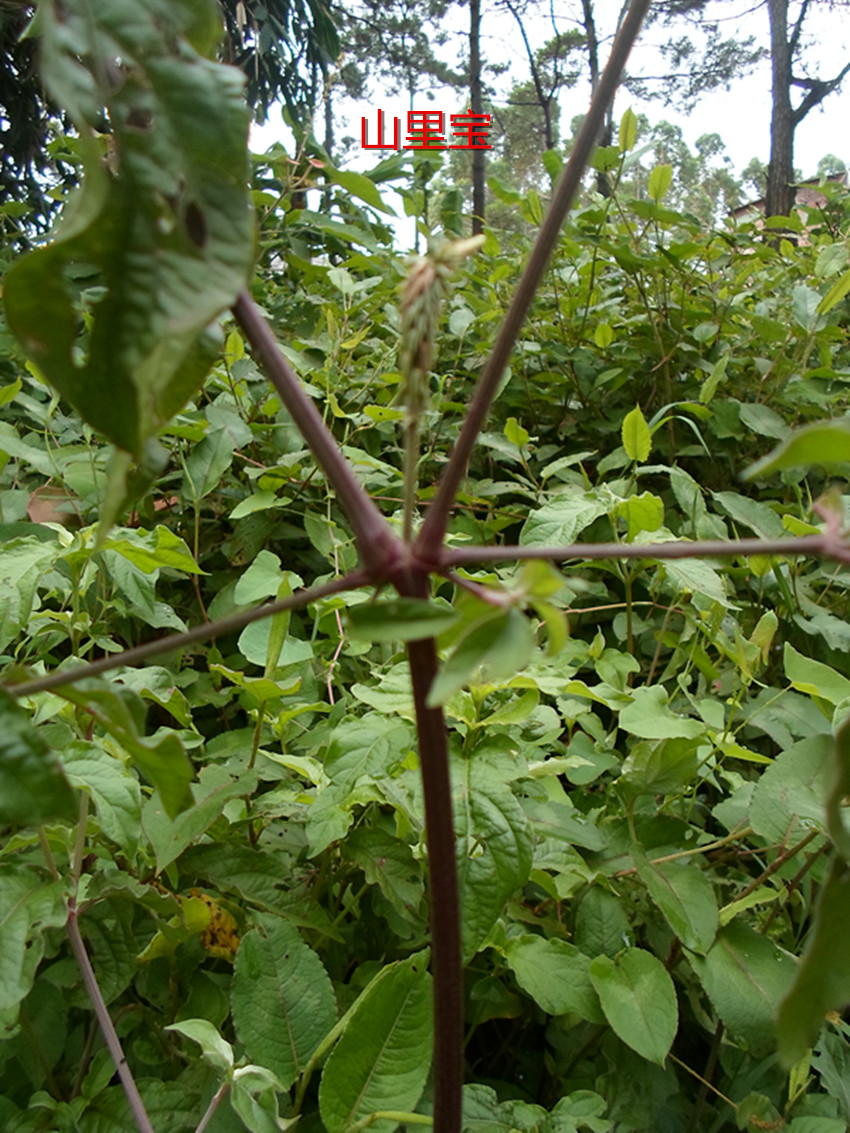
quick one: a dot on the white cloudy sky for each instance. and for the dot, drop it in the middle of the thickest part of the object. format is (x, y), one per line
(741, 115)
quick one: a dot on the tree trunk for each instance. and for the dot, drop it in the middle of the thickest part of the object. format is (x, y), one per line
(779, 199)
(603, 184)
(476, 106)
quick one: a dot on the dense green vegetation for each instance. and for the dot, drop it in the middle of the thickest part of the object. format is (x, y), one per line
(647, 786)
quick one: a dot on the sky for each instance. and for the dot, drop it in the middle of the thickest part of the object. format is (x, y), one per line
(740, 115)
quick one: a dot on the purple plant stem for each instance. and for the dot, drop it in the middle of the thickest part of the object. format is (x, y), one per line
(827, 545)
(228, 624)
(107, 1028)
(446, 960)
(379, 547)
(434, 528)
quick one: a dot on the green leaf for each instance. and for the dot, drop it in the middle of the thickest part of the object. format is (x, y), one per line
(558, 522)
(717, 375)
(399, 619)
(113, 788)
(555, 974)
(495, 845)
(685, 897)
(642, 513)
(167, 227)
(553, 163)
(823, 978)
(388, 863)
(839, 789)
(603, 335)
(162, 761)
(649, 717)
(151, 550)
(659, 182)
(207, 463)
(515, 433)
(814, 678)
(258, 501)
(282, 999)
(628, 131)
(28, 906)
(494, 648)
(33, 787)
(214, 1049)
(745, 975)
(360, 186)
(815, 446)
(22, 564)
(170, 833)
(805, 304)
(636, 437)
(639, 1001)
(383, 1058)
(788, 799)
(836, 293)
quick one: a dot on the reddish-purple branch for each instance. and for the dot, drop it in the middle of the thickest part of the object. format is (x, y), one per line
(443, 897)
(828, 545)
(229, 624)
(379, 547)
(433, 529)
(107, 1027)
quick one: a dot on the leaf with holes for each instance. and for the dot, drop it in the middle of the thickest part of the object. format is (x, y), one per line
(162, 226)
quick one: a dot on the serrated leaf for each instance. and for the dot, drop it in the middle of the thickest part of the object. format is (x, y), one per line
(282, 999)
(170, 834)
(383, 1058)
(399, 619)
(494, 849)
(558, 522)
(167, 228)
(636, 437)
(639, 1001)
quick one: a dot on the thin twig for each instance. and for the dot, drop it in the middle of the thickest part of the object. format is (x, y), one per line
(218, 628)
(826, 545)
(777, 863)
(434, 527)
(113, 1043)
(215, 1101)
